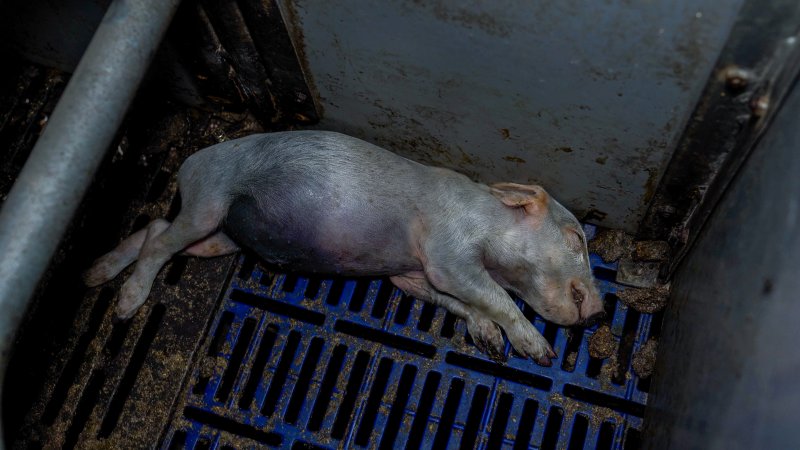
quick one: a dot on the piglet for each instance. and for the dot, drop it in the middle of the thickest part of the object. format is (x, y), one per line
(318, 201)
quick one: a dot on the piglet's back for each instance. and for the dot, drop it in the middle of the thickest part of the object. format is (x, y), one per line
(325, 201)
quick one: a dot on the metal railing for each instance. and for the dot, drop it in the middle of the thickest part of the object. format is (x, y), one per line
(63, 162)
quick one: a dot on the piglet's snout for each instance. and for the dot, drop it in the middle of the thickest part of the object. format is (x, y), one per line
(590, 307)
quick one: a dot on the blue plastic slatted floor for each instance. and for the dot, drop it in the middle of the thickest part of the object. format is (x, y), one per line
(295, 363)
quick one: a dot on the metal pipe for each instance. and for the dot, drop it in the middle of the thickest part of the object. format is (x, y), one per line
(63, 162)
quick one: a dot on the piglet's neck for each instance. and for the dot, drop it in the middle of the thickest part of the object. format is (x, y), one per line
(506, 246)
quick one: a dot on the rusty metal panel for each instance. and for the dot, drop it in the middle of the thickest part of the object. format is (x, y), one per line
(587, 98)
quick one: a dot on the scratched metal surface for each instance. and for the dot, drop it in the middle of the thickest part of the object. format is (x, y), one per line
(586, 97)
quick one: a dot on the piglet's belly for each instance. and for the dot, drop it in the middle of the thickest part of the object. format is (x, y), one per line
(306, 242)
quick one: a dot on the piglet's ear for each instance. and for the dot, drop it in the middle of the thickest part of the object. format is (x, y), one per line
(529, 196)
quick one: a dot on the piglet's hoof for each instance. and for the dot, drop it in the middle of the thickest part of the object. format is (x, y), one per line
(544, 361)
(131, 298)
(488, 338)
(115, 319)
(494, 354)
(96, 275)
(121, 315)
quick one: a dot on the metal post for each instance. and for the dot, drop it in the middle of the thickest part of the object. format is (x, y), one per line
(63, 161)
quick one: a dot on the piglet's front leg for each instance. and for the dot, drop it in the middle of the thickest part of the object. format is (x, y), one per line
(485, 333)
(472, 284)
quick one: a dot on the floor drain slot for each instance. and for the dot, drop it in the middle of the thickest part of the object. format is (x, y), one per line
(382, 299)
(235, 361)
(350, 394)
(281, 373)
(426, 317)
(382, 337)
(474, 417)
(326, 389)
(626, 344)
(606, 437)
(132, 371)
(449, 411)
(429, 391)
(289, 283)
(232, 426)
(373, 402)
(552, 428)
(335, 292)
(403, 310)
(312, 288)
(398, 407)
(301, 387)
(178, 440)
(259, 364)
(499, 370)
(359, 296)
(500, 423)
(527, 422)
(85, 407)
(448, 325)
(605, 400)
(70, 371)
(280, 308)
(580, 426)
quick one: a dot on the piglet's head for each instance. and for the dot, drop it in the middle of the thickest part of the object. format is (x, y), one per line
(549, 262)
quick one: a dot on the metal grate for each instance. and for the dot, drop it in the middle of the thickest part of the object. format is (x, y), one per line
(297, 362)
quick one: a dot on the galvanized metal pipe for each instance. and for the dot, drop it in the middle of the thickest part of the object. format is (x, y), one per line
(63, 162)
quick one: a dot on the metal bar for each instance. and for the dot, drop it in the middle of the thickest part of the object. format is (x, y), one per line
(47, 192)
(754, 72)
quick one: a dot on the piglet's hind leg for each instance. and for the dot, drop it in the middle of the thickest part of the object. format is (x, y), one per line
(108, 266)
(218, 244)
(194, 223)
